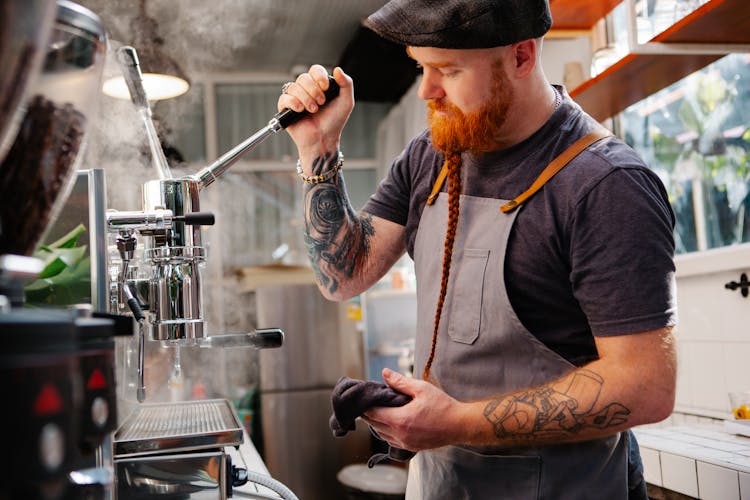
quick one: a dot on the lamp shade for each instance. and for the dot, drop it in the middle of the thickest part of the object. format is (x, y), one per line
(163, 77)
(158, 83)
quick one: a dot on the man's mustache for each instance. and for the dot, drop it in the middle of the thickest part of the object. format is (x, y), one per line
(440, 105)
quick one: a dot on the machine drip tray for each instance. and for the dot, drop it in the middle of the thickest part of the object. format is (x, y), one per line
(155, 428)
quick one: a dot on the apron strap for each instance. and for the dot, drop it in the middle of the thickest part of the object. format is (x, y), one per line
(554, 167)
(438, 184)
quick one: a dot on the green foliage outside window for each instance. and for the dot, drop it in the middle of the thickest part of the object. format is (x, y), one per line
(696, 136)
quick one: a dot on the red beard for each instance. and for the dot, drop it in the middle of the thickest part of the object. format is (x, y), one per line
(455, 132)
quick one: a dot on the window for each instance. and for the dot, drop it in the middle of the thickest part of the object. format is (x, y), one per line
(696, 135)
(182, 125)
(243, 109)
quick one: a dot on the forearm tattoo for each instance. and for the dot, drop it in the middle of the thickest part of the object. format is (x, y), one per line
(547, 414)
(337, 238)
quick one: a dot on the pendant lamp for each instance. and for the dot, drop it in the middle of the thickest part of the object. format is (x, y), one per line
(162, 76)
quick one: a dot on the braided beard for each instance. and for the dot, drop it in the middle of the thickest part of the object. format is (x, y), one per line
(453, 162)
(454, 132)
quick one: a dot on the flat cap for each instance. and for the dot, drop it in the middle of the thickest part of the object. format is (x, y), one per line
(461, 24)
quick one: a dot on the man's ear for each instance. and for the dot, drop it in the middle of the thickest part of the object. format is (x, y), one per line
(525, 54)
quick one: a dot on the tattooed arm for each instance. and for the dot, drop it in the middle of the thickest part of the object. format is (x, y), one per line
(349, 252)
(632, 383)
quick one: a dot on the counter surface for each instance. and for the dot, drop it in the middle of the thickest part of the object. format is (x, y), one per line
(702, 461)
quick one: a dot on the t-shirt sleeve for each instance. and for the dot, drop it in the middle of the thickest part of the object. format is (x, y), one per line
(391, 199)
(622, 254)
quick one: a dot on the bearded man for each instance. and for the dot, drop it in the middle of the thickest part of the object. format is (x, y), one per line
(543, 252)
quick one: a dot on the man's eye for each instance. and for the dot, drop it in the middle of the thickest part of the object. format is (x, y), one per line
(419, 67)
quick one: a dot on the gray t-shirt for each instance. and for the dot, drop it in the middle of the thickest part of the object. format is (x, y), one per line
(591, 253)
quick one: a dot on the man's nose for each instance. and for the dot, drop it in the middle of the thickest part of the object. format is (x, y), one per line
(429, 86)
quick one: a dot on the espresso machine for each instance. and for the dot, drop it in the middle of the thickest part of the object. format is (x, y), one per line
(161, 286)
(57, 364)
(175, 447)
(59, 367)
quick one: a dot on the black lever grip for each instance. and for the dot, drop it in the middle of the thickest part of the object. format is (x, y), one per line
(196, 218)
(268, 337)
(287, 116)
(264, 338)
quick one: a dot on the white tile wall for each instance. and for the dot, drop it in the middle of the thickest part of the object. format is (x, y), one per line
(708, 385)
(684, 395)
(736, 360)
(701, 322)
(713, 340)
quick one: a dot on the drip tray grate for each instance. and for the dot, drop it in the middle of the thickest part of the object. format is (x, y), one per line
(189, 425)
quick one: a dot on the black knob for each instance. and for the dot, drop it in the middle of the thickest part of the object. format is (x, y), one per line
(197, 218)
(743, 285)
(268, 337)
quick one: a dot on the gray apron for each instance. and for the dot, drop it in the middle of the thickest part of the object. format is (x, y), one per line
(483, 350)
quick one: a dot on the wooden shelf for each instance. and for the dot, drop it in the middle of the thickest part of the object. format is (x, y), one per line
(579, 14)
(636, 76)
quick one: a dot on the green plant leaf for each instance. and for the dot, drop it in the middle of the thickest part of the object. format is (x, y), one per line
(66, 277)
(70, 240)
(689, 116)
(59, 258)
(72, 285)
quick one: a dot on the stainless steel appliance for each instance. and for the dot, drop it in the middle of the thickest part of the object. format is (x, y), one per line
(161, 286)
(182, 450)
(170, 224)
(62, 424)
(177, 449)
(295, 390)
(174, 249)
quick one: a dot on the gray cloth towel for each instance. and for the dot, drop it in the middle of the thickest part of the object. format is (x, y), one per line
(351, 398)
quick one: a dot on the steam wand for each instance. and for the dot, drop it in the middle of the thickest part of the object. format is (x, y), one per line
(126, 244)
(131, 71)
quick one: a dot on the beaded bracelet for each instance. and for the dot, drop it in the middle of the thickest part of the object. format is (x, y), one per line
(325, 176)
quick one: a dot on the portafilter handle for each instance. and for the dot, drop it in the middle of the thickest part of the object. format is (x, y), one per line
(263, 338)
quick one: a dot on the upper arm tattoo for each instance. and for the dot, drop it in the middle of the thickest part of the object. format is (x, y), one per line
(546, 413)
(337, 238)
